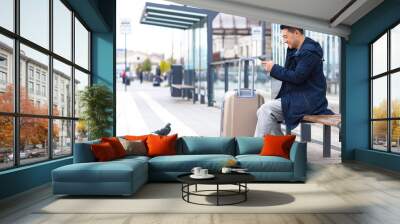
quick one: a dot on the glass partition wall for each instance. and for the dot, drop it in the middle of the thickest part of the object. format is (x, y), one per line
(195, 58)
(44, 63)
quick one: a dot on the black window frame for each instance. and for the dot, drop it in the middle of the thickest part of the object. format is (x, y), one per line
(388, 74)
(16, 114)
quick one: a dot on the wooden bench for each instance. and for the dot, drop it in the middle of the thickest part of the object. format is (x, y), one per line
(183, 87)
(327, 121)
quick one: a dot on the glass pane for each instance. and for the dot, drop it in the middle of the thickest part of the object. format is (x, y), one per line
(6, 142)
(81, 45)
(62, 89)
(81, 81)
(34, 79)
(62, 138)
(395, 135)
(379, 97)
(35, 21)
(395, 95)
(7, 14)
(33, 139)
(81, 131)
(62, 29)
(379, 135)
(6, 74)
(395, 47)
(379, 55)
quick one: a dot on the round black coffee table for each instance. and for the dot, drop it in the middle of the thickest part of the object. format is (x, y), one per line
(238, 179)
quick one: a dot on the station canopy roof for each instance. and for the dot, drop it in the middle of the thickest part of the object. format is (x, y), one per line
(172, 16)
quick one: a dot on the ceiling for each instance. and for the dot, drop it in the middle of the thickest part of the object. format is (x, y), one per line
(328, 16)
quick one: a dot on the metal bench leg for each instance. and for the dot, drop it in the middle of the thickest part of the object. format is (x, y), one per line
(305, 132)
(327, 141)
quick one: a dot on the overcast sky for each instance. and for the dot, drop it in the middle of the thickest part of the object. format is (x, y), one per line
(146, 38)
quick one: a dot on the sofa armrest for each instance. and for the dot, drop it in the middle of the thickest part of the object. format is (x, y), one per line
(83, 152)
(298, 155)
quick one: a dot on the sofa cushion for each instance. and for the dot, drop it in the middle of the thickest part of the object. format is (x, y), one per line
(142, 138)
(103, 152)
(159, 145)
(185, 163)
(135, 147)
(257, 163)
(116, 145)
(136, 137)
(111, 171)
(189, 145)
(131, 158)
(277, 145)
(249, 145)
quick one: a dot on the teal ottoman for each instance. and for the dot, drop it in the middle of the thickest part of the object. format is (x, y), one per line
(118, 177)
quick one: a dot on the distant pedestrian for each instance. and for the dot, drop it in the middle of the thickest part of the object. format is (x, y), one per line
(125, 80)
(123, 76)
(141, 76)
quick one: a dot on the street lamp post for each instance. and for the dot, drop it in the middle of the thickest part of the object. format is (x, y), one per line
(125, 28)
(125, 54)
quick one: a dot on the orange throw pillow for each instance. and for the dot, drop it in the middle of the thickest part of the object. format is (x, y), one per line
(136, 137)
(277, 145)
(116, 145)
(161, 145)
(103, 152)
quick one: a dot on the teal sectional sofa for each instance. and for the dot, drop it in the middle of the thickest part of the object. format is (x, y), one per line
(125, 176)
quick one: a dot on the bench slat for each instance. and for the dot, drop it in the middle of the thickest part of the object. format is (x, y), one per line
(182, 86)
(331, 120)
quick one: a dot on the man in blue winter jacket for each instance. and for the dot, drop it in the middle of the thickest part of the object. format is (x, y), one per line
(303, 88)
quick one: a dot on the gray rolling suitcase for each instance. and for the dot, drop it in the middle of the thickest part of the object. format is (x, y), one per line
(239, 108)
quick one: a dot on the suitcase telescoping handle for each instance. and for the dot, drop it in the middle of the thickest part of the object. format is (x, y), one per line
(243, 92)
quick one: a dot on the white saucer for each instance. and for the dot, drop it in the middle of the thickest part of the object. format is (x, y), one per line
(208, 176)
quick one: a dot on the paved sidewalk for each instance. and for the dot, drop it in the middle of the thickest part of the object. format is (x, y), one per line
(144, 108)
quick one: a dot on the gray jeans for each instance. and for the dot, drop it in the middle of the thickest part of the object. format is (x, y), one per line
(269, 117)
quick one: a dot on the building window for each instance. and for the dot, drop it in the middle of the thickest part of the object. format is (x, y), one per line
(3, 72)
(43, 77)
(3, 61)
(34, 77)
(30, 73)
(62, 75)
(37, 74)
(385, 97)
(44, 91)
(3, 78)
(30, 87)
(38, 89)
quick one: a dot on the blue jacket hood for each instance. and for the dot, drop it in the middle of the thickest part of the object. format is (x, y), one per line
(312, 46)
